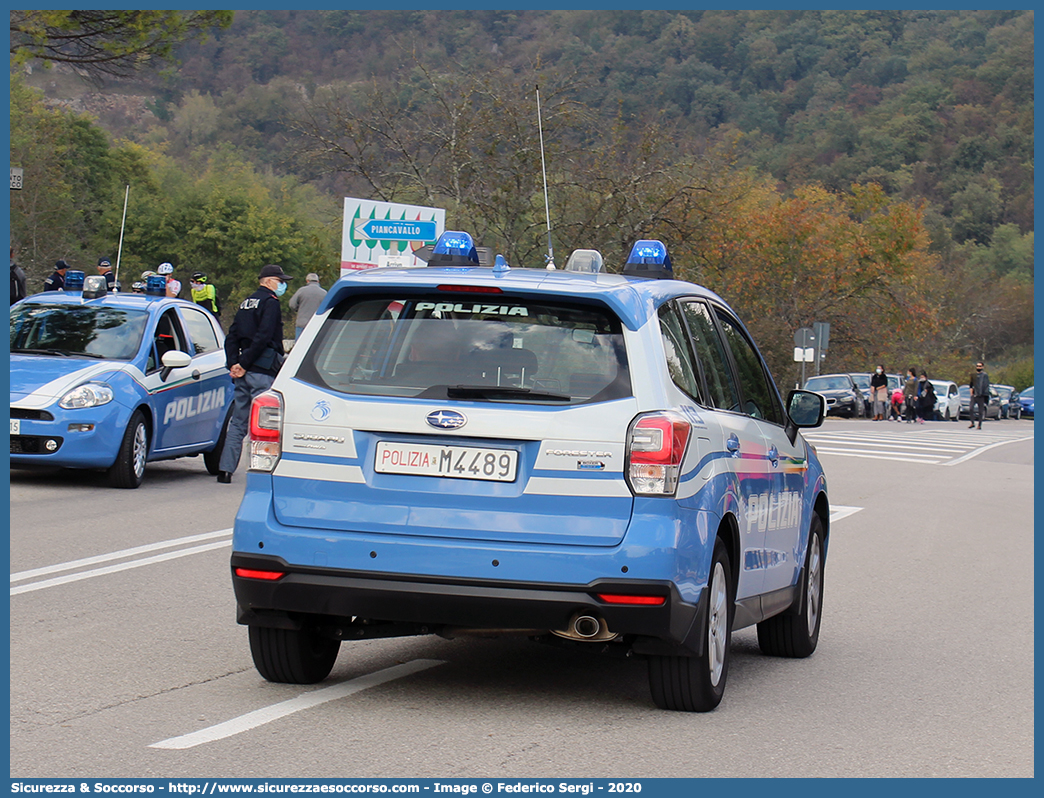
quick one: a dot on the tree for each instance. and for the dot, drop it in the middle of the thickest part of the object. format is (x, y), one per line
(107, 42)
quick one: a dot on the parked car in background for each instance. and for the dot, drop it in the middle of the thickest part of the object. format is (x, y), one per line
(843, 396)
(113, 381)
(993, 406)
(1026, 401)
(1010, 407)
(947, 400)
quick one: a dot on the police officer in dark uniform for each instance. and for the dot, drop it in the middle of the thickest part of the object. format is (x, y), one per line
(56, 282)
(105, 268)
(253, 354)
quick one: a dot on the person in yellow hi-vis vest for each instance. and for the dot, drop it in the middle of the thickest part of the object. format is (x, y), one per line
(203, 293)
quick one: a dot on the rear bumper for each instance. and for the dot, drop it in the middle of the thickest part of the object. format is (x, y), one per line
(339, 602)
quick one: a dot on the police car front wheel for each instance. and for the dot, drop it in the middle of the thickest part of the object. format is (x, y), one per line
(796, 634)
(129, 469)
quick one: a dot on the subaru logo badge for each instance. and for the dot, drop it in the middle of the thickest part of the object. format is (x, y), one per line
(446, 419)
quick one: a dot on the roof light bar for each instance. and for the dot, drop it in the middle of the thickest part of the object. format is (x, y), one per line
(649, 259)
(454, 248)
(585, 260)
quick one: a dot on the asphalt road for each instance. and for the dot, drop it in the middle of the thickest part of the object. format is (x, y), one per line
(126, 660)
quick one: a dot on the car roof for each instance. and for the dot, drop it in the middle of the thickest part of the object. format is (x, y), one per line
(634, 300)
(153, 304)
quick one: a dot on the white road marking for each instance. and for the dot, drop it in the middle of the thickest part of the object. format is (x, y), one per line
(934, 447)
(112, 569)
(72, 565)
(839, 511)
(260, 717)
(982, 449)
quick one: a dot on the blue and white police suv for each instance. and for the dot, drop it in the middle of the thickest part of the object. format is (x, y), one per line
(112, 381)
(578, 457)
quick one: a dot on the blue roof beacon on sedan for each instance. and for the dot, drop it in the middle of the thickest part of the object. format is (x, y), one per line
(111, 381)
(581, 458)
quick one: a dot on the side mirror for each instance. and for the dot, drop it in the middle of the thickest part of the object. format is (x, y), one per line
(806, 408)
(174, 359)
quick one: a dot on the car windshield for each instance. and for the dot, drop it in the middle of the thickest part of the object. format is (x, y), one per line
(827, 384)
(965, 390)
(862, 380)
(490, 349)
(76, 331)
(1028, 393)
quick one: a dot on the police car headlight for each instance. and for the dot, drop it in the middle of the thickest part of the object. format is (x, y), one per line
(90, 394)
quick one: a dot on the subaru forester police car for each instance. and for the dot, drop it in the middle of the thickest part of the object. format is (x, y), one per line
(111, 381)
(568, 455)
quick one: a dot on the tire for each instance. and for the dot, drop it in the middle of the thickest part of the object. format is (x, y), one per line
(212, 458)
(797, 635)
(129, 469)
(292, 656)
(697, 684)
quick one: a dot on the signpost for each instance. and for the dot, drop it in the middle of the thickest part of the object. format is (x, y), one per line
(387, 233)
(810, 344)
(16, 178)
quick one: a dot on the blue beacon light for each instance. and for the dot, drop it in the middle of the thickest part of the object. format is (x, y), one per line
(454, 248)
(649, 259)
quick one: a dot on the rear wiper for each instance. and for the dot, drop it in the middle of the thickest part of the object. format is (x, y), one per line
(501, 392)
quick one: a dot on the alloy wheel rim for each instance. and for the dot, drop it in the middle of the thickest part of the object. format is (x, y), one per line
(815, 578)
(717, 624)
(140, 448)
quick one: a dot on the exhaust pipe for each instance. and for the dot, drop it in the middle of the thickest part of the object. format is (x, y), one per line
(587, 628)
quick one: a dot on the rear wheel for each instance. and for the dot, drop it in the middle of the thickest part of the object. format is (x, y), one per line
(796, 635)
(294, 656)
(129, 469)
(697, 684)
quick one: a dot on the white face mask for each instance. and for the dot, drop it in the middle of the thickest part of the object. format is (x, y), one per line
(879, 371)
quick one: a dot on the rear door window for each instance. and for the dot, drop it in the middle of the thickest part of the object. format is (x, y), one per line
(439, 346)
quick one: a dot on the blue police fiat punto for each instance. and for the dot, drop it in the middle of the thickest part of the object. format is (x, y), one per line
(112, 381)
(583, 458)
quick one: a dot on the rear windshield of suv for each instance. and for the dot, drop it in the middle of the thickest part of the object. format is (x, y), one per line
(477, 348)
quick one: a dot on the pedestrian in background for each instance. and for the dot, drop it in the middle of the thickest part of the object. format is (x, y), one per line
(910, 394)
(105, 268)
(203, 293)
(167, 271)
(253, 354)
(879, 393)
(19, 287)
(980, 394)
(306, 301)
(56, 282)
(925, 398)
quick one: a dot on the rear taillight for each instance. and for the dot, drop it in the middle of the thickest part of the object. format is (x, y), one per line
(636, 601)
(267, 576)
(266, 431)
(655, 448)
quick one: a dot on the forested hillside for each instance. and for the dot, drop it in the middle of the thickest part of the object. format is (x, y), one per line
(872, 169)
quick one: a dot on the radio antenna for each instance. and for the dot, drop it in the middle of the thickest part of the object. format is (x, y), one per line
(543, 168)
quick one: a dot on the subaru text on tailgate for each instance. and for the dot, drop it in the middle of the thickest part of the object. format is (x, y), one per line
(573, 456)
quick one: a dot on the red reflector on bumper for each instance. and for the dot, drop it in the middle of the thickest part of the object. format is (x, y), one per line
(616, 598)
(249, 573)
